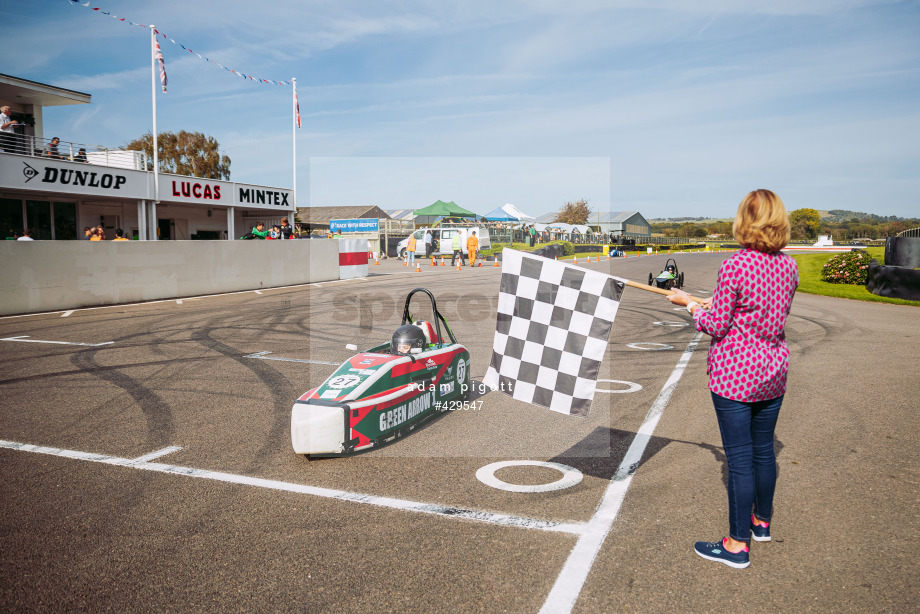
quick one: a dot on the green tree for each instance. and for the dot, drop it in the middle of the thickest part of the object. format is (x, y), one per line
(805, 223)
(574, 213)
(720, 228)
(185, 153)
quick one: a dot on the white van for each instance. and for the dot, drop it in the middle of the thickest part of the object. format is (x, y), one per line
(443, 239)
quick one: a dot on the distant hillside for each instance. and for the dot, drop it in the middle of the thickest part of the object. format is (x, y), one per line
(833, 215)
(701, 220)
(842, 215)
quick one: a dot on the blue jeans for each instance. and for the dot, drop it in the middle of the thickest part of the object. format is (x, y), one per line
(410, 257)
(747, 438)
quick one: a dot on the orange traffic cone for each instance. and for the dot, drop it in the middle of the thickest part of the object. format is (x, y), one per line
(576, 259)
(443, 263)
(418, 266)
(589, 259)
(496, 263)
(433, 263)
(376, 262)
(458, 264)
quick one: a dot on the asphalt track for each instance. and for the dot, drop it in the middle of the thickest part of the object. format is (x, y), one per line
(149, 467)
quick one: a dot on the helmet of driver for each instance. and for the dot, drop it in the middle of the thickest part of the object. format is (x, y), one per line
(670, 268)
(406, 338)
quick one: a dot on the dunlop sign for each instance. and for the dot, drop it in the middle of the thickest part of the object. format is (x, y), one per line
(72, 177)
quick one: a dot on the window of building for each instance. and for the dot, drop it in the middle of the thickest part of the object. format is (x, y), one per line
(38, 218)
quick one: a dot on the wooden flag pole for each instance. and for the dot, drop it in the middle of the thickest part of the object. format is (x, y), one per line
(633, 284)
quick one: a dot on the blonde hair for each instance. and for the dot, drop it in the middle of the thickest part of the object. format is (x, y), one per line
(761, 222)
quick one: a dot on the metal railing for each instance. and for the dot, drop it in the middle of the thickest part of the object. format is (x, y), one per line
(28, 145)
(910, 232)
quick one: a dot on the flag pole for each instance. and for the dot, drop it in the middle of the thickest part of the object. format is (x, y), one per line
(294, 143)
(633, 284)
(152, 227)
(153, 81)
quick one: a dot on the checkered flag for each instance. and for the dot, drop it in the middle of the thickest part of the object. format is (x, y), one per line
(553, 323)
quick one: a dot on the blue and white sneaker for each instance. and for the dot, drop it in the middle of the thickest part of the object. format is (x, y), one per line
(716, 551)
(758, 533)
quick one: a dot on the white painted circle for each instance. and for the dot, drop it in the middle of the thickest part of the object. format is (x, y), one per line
(570, 476)
(633, 387)
(461, 371)
(671, 323)
(645, 345)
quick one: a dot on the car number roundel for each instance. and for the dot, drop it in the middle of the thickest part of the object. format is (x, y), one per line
(461, 371)
(343, 381)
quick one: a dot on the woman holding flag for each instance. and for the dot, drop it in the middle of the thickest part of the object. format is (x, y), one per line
(747, 365)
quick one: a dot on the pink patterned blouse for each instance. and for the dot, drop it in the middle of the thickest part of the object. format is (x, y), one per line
(748, 358)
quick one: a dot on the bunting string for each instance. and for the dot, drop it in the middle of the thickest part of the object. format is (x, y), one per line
(174, 42)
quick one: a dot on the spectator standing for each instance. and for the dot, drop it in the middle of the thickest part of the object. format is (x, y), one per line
(81, 156)
(258, 231)
(428, 244)
(455, 245)
(472, 246)
(8, 137)
(287, 231)
(119, 235)
(51, 151)
(98, 234)
(26, 235)
(410, 250)
(747, 364)
(87, 233)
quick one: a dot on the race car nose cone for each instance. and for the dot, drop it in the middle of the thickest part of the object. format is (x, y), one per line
(316, 429)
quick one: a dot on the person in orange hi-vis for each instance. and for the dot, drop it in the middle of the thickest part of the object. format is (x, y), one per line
(472, 246)
(410, 250)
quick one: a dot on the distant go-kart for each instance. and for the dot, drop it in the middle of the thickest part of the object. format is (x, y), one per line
(384, 393)
(669, 278)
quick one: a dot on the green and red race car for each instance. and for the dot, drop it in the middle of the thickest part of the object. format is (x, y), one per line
(385, 392)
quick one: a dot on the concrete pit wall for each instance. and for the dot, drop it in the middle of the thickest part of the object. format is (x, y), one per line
(38, 276)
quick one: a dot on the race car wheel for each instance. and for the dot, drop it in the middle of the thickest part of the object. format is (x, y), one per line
(651, 280)
(680, 280)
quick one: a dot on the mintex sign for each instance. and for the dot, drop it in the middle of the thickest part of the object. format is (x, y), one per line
(260, 197)
(359, 225)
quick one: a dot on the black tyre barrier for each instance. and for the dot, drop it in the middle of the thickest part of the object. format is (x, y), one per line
(549, 251)
(893, 281)
(903, 251)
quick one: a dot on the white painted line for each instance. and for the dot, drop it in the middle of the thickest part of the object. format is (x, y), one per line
(66, 313)
(570, 476)
(257, 291)
(24, 340)
(146, 458)
(169, 300)
(633, 387)
(671, 323)
(647, 345)
(179, 302)
(262, 355)
(443, 511)
(572, 578)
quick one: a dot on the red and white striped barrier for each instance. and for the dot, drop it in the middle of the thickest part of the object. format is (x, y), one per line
(352, 258)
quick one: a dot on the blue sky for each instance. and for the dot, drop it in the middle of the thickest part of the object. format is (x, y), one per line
(667, 107)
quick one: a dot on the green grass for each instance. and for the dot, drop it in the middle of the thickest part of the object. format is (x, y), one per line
(810, 282)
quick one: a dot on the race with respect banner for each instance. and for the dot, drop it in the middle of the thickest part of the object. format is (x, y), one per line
(358, 225)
